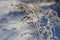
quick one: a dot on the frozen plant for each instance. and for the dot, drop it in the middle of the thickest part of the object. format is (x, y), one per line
(32, 17)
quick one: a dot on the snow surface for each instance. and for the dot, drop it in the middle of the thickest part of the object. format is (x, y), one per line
(11, 27)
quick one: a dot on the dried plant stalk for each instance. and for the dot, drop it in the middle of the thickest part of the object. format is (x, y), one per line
(32, 16)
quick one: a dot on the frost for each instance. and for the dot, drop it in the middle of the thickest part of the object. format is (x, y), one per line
(41, 32)
(29, 26)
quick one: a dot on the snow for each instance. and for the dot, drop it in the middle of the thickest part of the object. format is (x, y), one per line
(13, 29)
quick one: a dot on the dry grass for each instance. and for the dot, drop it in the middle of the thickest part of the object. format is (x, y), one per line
(32, 11)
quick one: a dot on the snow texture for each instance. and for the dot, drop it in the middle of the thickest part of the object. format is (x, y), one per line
(12, 28)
